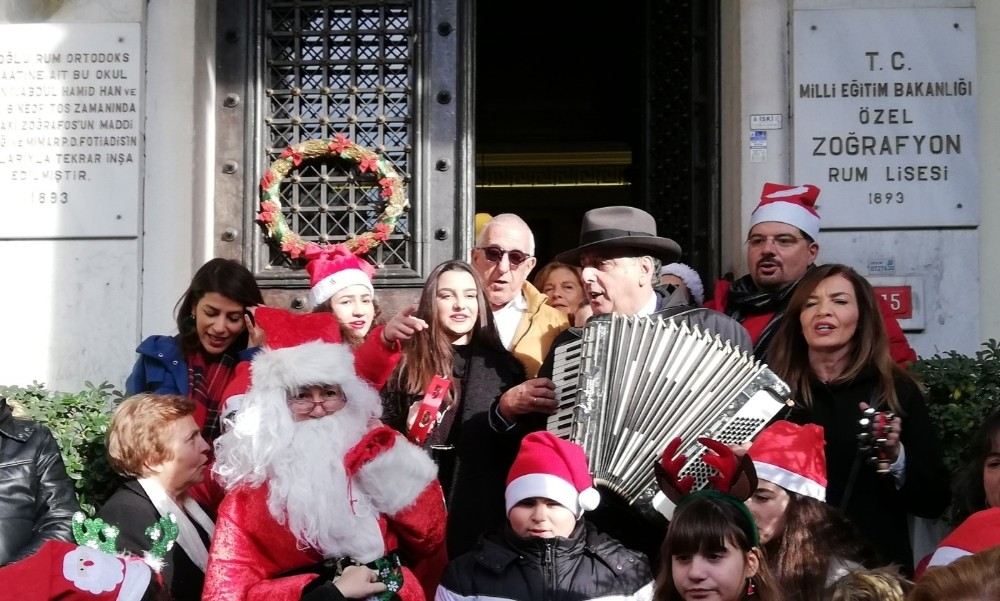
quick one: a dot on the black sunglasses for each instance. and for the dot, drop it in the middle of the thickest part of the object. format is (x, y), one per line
(494, 254)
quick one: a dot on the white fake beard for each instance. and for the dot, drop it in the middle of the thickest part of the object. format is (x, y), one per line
(309, 492)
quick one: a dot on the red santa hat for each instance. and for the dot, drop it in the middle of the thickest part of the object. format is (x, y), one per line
(551, 468)
(794, 205)
(65, 571)
(979, 532)
(328, 275)
(303, 349)
(792, 457)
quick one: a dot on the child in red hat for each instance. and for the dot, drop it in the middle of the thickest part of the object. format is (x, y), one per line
(548, 550)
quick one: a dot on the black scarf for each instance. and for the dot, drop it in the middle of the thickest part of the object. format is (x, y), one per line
(746, 299)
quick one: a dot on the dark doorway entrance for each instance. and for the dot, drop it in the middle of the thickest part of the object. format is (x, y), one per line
(579, 108)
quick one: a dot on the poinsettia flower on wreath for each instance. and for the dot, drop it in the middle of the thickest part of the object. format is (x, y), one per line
(292, 245)
(368, 163)
(291, 152)
(339, 144)
(381, 232)
(267, 180)
(387, 188)
(362, 245)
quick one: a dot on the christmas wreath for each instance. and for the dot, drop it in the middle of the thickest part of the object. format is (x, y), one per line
(393, 191)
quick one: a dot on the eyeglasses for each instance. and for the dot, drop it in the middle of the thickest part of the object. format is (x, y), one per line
(331, 401)
(494, 254)
(781, 240)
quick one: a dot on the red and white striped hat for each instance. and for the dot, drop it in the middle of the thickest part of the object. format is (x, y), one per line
(794, 205)
(979, 532)
(792, 457)
(328, 275)
(551, 468)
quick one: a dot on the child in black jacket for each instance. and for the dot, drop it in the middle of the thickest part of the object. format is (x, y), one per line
(547, 550)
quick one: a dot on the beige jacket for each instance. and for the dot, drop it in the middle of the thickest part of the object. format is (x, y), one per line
(538, 329)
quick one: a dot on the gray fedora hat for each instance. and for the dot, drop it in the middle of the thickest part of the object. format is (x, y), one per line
(621, 226)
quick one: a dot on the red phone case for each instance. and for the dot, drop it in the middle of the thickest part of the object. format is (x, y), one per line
(430, 407)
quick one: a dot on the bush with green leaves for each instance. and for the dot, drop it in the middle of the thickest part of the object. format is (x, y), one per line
(79, 422)
(961, 392)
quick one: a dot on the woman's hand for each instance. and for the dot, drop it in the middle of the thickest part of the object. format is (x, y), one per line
(358, 582)
(258, 337)
(891, 445)
(403, 326)
(537, 395)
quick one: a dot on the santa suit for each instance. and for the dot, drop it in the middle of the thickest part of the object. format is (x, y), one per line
(251, 551)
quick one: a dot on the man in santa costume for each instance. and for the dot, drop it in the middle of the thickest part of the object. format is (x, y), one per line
(315, 483)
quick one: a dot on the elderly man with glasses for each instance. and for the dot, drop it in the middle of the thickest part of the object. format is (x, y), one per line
(781, 248)
(503, 257)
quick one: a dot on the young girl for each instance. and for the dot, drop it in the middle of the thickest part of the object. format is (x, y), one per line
(473, 445)
(712, 549)
(341, 284)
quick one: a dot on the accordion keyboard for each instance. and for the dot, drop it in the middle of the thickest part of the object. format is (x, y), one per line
(632, 384)
(565, 374)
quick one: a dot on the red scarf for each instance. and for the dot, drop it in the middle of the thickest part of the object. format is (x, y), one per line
(207, 379)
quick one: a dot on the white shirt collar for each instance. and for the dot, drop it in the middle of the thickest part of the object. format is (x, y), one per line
(650, 307)
(508, 317)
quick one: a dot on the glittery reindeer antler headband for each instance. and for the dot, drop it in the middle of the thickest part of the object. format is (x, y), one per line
(98, 534)
(734, 481)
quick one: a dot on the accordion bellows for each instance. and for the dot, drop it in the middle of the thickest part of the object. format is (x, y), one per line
(630, 385)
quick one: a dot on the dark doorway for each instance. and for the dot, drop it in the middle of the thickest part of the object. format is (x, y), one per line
(578, 108)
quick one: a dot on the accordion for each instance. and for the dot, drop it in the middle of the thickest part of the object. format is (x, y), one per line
(630, 385)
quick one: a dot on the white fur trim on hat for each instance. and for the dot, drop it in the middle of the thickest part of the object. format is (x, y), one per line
(310, 364)
(550, 487)
(790, 480)
(945, 555)
(337, 281)
(787, 212)
(690, 278)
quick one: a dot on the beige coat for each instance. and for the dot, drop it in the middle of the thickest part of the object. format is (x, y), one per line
(538, 329)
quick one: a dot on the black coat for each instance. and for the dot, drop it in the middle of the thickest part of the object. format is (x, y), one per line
(586, 565)
(37, 500)
(475, 456)
(131, 510)
(875, 506)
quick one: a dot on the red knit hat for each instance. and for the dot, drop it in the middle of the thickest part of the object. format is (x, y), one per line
(329, 274)
(792, 457)
(65, 571)
(979, 532)
(551, 468)
(794, 205)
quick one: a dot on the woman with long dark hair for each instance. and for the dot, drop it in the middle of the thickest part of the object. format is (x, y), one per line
(808, 544)
(215, 332)
(833, 351)
(472, 443)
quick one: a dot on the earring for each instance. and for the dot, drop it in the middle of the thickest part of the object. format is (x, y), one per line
(188, 322)
(751, 587)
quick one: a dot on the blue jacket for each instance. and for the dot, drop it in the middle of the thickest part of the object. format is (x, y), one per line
(161, 367)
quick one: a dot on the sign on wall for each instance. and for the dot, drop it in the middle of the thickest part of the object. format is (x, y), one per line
(70, 129)
(884, 115)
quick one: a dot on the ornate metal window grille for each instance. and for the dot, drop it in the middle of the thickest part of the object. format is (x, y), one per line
(332, 67)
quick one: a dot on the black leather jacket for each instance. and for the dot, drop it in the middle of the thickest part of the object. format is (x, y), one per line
(37, 500)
